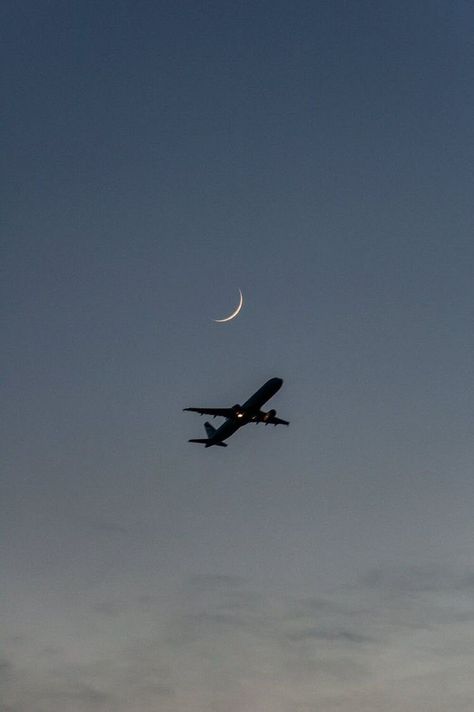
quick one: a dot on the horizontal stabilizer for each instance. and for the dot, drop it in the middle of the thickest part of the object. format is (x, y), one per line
(206, 442)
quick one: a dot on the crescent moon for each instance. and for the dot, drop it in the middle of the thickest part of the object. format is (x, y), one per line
(234, 313)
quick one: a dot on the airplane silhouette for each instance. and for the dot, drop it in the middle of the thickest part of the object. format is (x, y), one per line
(238, 415)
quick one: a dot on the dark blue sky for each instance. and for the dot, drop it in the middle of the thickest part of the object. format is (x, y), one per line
(157, 157)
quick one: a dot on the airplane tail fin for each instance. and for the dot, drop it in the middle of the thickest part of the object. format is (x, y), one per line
(209, 430)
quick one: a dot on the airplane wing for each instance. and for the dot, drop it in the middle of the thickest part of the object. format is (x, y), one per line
(277, 421)
(224, 412)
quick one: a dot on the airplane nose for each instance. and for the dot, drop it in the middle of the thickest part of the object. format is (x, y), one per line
(278, 381)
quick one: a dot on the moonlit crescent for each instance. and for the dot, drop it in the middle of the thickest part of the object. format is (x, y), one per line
(234, 313)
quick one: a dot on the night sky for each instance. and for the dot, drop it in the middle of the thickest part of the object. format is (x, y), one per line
(157, 157)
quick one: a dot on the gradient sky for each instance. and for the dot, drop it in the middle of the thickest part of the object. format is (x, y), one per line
(157, 157)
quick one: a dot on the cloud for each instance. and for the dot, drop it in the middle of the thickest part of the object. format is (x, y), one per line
(110, 609)
(418, 579)
(398, 639)
(341, 635)
(5, 667)
(212, 582)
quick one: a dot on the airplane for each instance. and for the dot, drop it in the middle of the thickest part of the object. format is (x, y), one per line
(238, 415)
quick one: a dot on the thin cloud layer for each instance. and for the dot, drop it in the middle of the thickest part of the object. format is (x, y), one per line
(400, 639)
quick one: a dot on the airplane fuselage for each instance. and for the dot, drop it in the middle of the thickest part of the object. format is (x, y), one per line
(255, 402)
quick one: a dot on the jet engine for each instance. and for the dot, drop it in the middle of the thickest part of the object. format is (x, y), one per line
(268, 416)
